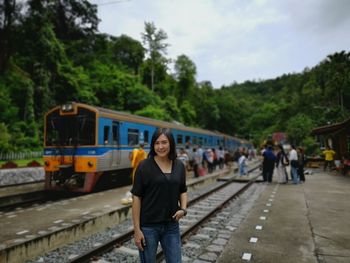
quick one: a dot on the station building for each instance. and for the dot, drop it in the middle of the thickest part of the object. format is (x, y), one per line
(337, 136)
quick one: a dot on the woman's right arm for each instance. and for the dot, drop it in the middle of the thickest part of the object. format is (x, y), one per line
(136, 210)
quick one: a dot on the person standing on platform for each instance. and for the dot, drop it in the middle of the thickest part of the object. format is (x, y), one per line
(281, 163)
(136, 157)
(262, 167)
(293, 158)
(221, 156)
(242, 165)
(301, 164)
(159, 200)
(328, 158)
(209, 156)
(197, 163)
(183, 157)
(200, 153)
(268, 164)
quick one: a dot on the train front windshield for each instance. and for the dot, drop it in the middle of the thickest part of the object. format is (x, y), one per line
(70, 130)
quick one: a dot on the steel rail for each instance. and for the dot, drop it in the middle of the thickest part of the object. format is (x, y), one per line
(20, 184)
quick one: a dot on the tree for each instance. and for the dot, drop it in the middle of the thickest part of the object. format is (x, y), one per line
(265, 116)
(298, 128)
(171, 107)
(185, 74)
(159, 70)
(110, 85)
(72, 19)
(155, 46)
(4, 138)
(139, 97)
(233, 113)
(207, 110)
(8, 16)
(188, 113)
(128, 52)
(9, 112)
(338, 66)
(154, 112)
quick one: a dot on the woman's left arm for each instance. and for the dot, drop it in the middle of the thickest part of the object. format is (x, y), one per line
(183, 206)
(183, 200)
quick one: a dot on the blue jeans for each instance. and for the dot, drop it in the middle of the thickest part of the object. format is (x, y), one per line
(294, 173)
(168, 234)
(242, 169)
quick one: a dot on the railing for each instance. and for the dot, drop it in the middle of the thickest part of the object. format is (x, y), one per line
(20, 155)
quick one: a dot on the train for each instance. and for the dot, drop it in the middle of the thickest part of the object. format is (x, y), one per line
(84, 144)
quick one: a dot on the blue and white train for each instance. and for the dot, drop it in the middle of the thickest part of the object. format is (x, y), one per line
(83, 143)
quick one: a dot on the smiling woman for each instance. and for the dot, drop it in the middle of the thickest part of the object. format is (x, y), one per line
(159, 200)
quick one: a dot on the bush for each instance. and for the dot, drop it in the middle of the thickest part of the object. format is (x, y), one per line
(310, 146)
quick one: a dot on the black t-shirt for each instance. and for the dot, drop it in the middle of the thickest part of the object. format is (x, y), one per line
(160, 193)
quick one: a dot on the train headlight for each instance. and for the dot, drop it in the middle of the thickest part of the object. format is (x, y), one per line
(47, 163)
(67, 107)
(90, 164)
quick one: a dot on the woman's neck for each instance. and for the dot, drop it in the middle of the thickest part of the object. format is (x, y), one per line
(164, 159)
(164, 164)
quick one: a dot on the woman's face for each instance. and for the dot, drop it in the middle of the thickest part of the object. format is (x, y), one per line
(162, 146)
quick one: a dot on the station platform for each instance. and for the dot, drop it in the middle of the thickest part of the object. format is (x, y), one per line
(308, 222)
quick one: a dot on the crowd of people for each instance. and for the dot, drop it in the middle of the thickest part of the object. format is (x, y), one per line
(199, 160)
(276, 160)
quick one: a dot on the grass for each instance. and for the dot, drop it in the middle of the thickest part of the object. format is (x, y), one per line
(23, 163)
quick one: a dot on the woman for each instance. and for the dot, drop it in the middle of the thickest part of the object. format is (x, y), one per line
(281, 163)
(159, 200)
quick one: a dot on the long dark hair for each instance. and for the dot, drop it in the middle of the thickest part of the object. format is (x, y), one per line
(280, 146)
(167, 132)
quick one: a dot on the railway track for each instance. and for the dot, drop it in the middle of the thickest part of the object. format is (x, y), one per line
(12, 196)
(36, 195)
(201, 208)
(30, 193)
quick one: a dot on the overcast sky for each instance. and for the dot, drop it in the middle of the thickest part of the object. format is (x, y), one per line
(237, 40)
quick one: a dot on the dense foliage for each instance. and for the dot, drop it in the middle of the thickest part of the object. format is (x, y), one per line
(51, 52)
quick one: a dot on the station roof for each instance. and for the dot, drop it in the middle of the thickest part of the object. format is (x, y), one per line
(332, 128)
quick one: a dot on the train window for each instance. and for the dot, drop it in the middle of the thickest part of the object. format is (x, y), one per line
(87, 126)
(188, 139)
(195, 140)
(200, 141)
(115, 133)
(106, 134)
(133, 136)
(179, 138)
(68, 130)
(146, 136)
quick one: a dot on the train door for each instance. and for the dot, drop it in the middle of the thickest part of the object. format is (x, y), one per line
(116, 153)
